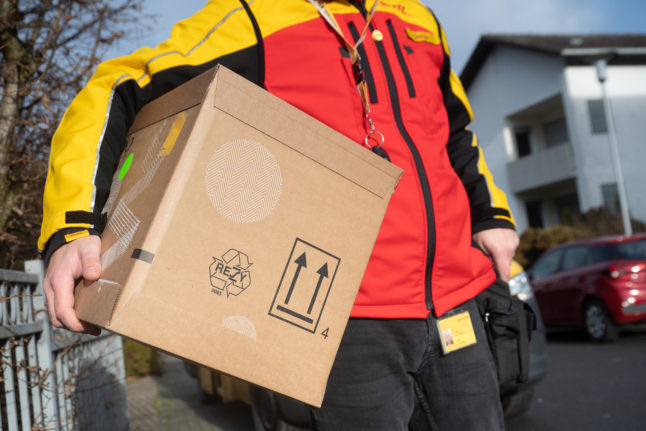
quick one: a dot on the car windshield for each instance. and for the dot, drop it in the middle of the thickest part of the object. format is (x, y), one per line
(622, 250)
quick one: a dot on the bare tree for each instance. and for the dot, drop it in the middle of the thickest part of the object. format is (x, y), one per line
(48, 48)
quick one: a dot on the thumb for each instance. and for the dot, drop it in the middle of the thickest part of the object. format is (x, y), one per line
(90, 258)
(503, 265)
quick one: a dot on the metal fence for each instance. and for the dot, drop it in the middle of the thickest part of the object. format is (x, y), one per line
(53, 379)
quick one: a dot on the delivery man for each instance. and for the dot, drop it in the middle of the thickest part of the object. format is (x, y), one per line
(380, 73)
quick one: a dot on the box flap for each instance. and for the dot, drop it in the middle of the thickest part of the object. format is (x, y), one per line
(239, 98)
(151, 156)
(190, 94)
(94, 303)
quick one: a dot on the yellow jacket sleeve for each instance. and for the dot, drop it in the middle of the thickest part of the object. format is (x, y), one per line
(91, 136)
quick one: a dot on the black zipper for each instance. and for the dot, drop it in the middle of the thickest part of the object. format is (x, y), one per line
(400, 57)
(419, 166)
(370, 81)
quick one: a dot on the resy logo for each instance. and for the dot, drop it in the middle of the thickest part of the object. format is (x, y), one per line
(230, 274)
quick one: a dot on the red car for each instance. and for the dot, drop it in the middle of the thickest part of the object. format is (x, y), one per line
(597, 284)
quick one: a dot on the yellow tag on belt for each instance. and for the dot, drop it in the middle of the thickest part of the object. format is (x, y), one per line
(456, 332)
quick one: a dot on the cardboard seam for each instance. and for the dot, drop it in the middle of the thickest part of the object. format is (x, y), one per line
(376, 162)
(114, 306)
(179, 107)
(146, 125)
(118, 297)
(391, 189)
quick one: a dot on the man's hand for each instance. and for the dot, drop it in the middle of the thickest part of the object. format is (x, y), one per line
(79, 258)
(500, 244)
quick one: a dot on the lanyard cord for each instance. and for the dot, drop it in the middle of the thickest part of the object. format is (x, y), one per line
(355, 59)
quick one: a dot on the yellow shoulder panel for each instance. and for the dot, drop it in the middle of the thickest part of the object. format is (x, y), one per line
(276, 15)
(458, 90)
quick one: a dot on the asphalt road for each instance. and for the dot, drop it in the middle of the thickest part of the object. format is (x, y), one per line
(590, 386)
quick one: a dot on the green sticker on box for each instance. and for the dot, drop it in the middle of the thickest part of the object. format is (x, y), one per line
(126, 166)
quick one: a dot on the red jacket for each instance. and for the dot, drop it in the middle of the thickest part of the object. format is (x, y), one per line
(423, 258)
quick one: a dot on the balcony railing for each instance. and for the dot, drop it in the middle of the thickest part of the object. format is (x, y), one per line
(542, 168)
(52, 379)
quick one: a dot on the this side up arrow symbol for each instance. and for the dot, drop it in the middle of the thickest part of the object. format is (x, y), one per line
(322, 272)
(301, 262)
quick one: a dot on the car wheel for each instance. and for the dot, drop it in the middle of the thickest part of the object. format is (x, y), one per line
(517, 403)
(264, 409)
(598, 323)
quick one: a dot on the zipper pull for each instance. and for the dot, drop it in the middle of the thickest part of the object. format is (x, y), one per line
(381, 152)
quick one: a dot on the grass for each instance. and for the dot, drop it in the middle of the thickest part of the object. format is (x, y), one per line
(141, 360)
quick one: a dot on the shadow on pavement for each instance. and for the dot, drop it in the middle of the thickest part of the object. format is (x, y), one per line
(173, 402)
(579, 337)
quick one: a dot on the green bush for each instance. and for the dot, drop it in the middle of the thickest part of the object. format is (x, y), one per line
(141, 360)
(536, 241)
(594, 223)
(599, 222)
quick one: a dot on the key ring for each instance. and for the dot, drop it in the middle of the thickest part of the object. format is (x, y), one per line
(355, 58)
(371, 132)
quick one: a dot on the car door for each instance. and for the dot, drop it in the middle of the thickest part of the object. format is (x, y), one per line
(543, 275)
(567, 290)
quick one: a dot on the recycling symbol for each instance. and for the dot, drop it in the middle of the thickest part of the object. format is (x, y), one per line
(230, 273)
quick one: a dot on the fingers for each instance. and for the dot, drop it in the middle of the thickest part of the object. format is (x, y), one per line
(503, 266)
(502, 255)
(49, 294)
(79, 258)
(501, 245)
(63, 288)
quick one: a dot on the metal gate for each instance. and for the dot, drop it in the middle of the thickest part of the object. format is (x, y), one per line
(54, 379)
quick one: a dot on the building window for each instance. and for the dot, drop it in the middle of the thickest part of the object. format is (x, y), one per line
(522, 137)
(610, 195)
(534, 213)
(555, 133)
(597, 113)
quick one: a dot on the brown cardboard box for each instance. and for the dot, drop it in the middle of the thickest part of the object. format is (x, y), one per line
(239, 234)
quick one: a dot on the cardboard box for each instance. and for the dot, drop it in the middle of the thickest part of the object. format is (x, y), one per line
(239, 229)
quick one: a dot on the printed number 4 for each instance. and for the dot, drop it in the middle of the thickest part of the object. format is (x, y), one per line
(325, 333)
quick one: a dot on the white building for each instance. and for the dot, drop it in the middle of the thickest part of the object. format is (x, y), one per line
(540, 118)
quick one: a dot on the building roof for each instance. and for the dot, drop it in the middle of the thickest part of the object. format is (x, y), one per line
(546, 44)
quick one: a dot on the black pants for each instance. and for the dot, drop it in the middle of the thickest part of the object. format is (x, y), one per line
(391, 375)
